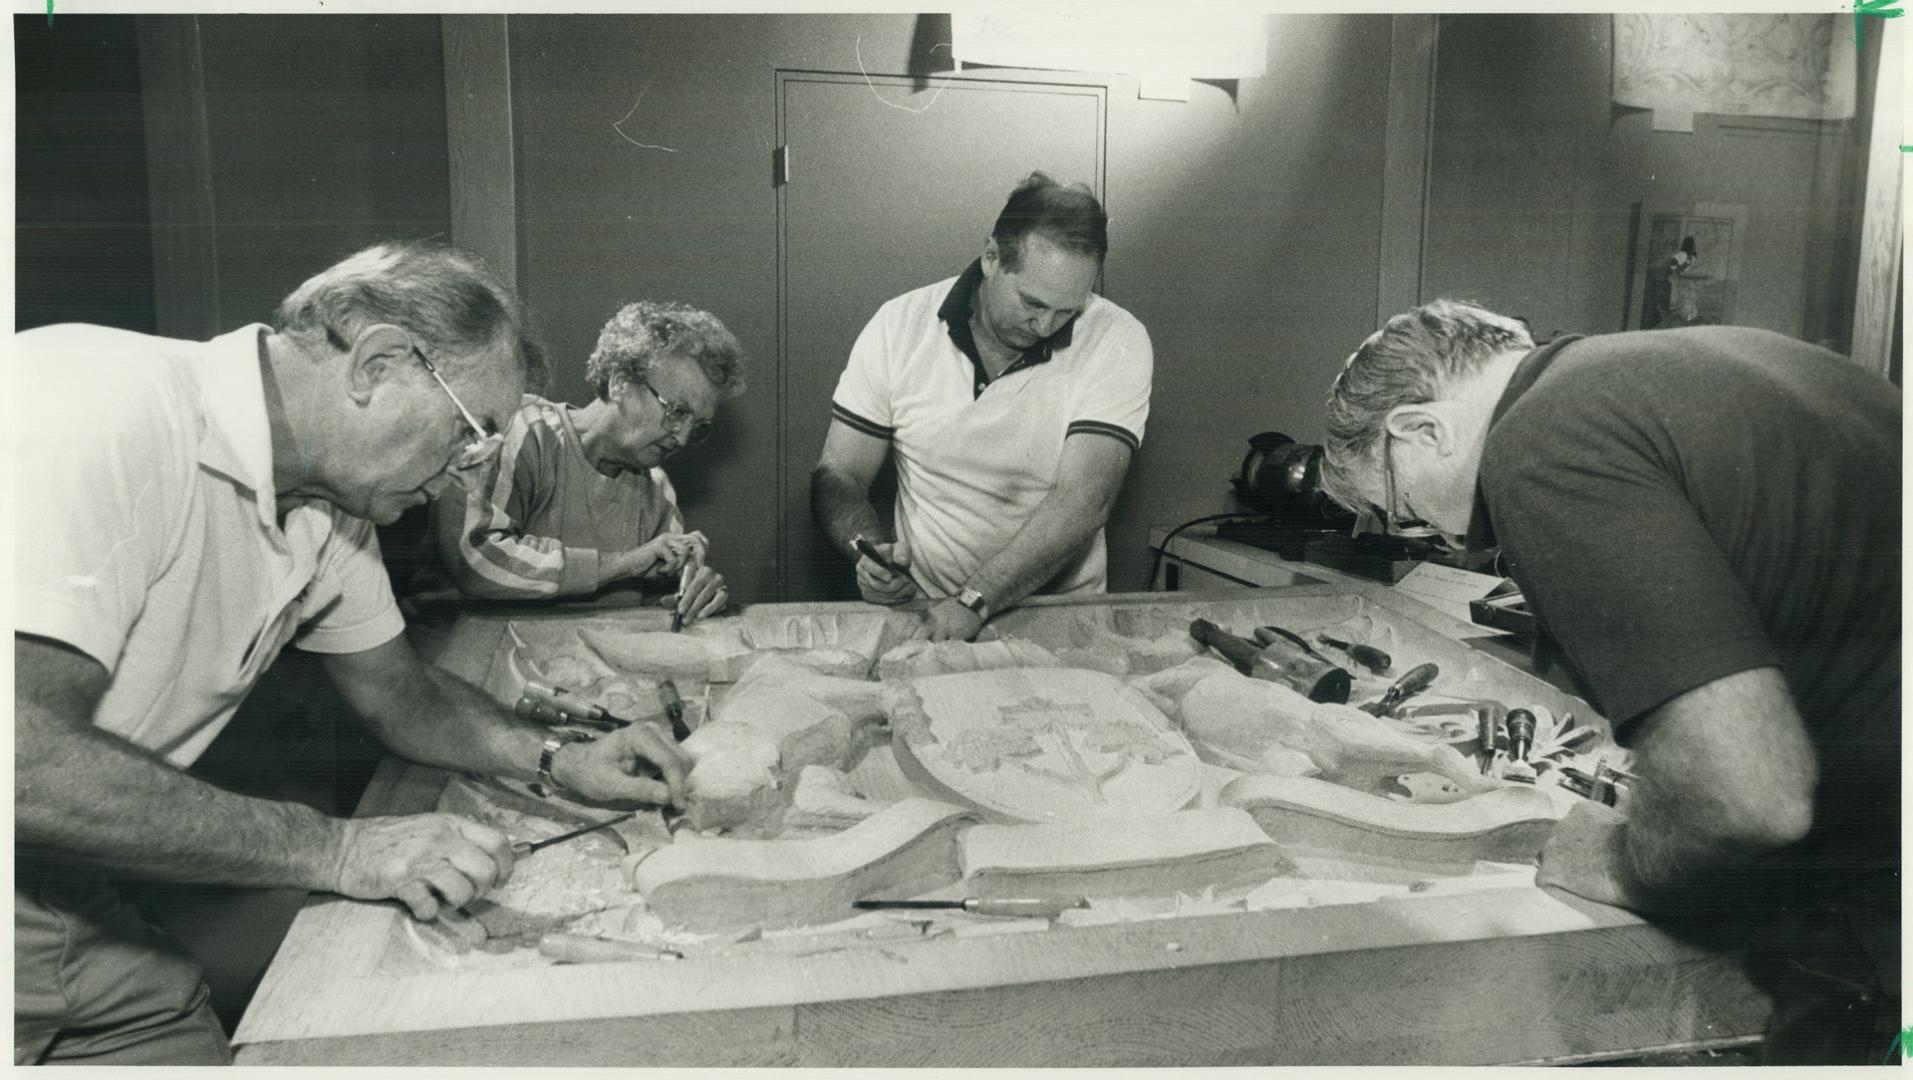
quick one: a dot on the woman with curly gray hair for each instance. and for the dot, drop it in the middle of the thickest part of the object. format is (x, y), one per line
(578, 499)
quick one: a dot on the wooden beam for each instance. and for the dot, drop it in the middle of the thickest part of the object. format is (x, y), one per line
(1406, 142)
(1874, 307)
(179, 176)
(478, 136)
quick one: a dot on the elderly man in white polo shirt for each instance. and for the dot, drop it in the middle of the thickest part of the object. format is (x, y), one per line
(1013, 398)
(184, 509)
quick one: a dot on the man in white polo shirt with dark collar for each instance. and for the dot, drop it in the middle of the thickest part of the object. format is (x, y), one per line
(1013, 398)
(184, 510)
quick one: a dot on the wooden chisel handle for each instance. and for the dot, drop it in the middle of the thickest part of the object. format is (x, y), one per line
(1418, 679)
(1240, 651)
(673, 708)
(580, 949)
(869, 551)
(1368, 656)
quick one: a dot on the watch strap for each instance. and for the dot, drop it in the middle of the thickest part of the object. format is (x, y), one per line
(973, 600)
(548, 753)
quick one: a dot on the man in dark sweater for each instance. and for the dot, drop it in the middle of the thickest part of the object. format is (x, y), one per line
(1707, 523)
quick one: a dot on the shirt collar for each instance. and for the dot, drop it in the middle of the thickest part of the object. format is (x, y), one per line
(236, 441)
(1481, 530)
(959, 304)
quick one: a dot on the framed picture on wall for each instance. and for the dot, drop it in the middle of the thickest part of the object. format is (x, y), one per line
(1686, 268)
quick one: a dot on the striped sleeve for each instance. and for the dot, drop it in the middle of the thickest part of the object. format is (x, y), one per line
(1097, 427)
(862, 400)
(481, 539)
(1115, 400)
(867, 426)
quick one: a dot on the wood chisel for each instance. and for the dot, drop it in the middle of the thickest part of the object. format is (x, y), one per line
(1368, 656)
(673, 708)
(1266, 635)
(1009, 907)
(1414, 682)
(556, 705)
(1278, 660)
(1521, 724)
(583, 949)
(521, 848)
(869, 551)
(677, 611)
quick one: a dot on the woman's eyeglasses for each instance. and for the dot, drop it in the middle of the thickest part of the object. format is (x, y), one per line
(677, 417)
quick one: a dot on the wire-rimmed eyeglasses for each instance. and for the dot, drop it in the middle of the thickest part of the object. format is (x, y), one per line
(1394, 522)
(677, 416)
(480, 445)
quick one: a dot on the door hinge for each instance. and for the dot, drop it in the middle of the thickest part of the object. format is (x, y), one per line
(780, 166)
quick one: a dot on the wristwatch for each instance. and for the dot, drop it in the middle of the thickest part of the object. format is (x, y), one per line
(548, 753)
(973, 600)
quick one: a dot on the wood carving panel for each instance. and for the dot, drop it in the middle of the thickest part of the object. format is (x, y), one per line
(1046, 744)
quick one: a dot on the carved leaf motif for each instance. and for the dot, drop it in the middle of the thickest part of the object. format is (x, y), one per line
(1039, 714)
(986, 749)
(1130, 740)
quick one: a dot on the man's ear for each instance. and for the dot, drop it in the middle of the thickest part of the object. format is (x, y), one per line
(992, 258)
(379, 354)
(1434, 425)
(1424, 424)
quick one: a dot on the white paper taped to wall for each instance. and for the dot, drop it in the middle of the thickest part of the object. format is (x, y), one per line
(1170, 43)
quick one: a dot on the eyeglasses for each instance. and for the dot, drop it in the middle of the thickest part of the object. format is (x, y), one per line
(678, 416)
(480, 446)
(1392, 521)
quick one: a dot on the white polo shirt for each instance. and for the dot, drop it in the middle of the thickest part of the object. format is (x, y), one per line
(975, 459)
(146, 532)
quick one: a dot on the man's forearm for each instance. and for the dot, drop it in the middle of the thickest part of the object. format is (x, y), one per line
(842, 507)
(81, 794)
(1728, 780)
(442, 720)
(1055, 533)
(1672, 859)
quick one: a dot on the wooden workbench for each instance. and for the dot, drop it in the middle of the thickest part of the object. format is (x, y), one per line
(1513, 975)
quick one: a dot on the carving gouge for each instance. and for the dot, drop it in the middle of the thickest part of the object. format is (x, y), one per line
(1368, 656)
(677, 615)
(1414, 682)
(1520, 727)
(522, 848)
(556, 705)
(869, 551)
(1278, 661)
(1520, 733)
(1037, 907)
(581, 949)
(673, 708)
